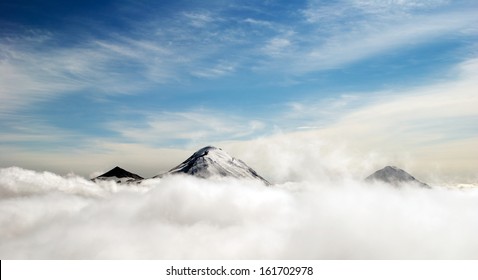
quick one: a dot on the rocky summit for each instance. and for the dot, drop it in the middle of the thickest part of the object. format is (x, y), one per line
(214, 162)
(119, 175)
(394, 176)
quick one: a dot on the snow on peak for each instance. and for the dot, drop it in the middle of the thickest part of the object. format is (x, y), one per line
(394, 175)
(214, 162)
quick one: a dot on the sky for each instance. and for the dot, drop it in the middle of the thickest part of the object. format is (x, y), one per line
(353, 84)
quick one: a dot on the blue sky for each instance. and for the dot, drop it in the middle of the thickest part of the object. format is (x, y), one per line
(87, 77)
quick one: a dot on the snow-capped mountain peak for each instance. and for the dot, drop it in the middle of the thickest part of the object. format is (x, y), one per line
(214, 162)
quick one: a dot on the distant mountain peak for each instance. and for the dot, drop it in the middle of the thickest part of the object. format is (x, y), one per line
(214, 162)
(118, 175)
(394, 176)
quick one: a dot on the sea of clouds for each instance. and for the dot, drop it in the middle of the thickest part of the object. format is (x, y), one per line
(47, 216)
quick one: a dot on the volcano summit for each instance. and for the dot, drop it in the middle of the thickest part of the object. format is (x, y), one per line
(213, 162)
(394, 176)
(119, 175)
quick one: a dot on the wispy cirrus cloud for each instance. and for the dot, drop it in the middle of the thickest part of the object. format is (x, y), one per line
(213, 44)
(359, 10)
(199, 19)
(30, 75)
(188, 128)
(277, 46)
(37, 67)
(222, 68)
(346, 32)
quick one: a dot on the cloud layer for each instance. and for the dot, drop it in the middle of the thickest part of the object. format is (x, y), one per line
(45, 216)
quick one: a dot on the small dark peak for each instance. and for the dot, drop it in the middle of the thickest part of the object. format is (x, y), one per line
(117, 169)
(118, 173)
(394, 176)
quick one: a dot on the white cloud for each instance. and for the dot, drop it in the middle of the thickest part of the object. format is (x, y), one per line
(407, 5)
(344, 32)
(29, 75)
(258, 22)
(199, 19)
(193, 127)
(33, 68)
(276, 46)
(371, 38)
(215, 71)
(20, 88)
(50, 217)
(320, 11)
